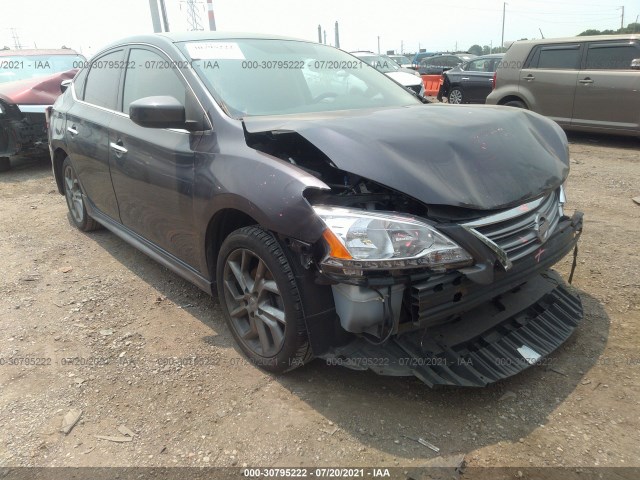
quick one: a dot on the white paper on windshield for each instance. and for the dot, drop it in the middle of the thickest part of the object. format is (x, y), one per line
(215, 51)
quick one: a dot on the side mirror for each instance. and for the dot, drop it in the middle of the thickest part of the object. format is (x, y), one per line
(157, 112)
(64, 85)
(635, 64)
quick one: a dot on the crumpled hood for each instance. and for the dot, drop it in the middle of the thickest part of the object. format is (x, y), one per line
(480, 157)
(35, 91)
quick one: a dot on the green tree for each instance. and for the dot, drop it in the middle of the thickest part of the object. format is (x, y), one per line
(475, 49)
(486, 50)
(630, 28)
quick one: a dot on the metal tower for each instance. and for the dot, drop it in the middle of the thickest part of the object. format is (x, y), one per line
(193, 16)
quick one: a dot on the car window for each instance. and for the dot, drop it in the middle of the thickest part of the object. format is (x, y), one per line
(611, 56)
(103, 80)
(565, 57)
(20, 67)
(148, 75)
(482, 65)
(79, 82)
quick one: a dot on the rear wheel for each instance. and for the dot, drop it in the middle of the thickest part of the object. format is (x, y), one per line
(259, 296)
(5, 164)
(456, 96)
(75, 200)
(516, 103)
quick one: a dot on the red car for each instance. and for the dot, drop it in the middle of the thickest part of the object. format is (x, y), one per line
(29, 83)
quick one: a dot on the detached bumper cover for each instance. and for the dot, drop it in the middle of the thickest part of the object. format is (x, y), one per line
(523, 318)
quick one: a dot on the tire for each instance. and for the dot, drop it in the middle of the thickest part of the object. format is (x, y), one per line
(75, 199)
(516, 103)
(265, 317)
(455, 96)
(5, 164)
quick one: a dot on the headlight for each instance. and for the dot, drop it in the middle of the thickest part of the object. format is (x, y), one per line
(359, 239)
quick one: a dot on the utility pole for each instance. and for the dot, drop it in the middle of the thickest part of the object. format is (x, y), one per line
(325, 36)
(401, 47)
(165, 19)
(212, 19)
(319, 33)
(337, 45)
(378, 44)
(622, 18)
(16, 39)
(504, 10)
(155, 16)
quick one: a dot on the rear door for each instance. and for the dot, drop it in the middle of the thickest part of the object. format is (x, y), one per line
(548, 80)
(153, 169)
(87, 129)
(477, 79)
(608, 89)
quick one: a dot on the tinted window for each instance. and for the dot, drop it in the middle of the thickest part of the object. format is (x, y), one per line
(614, 57)
(148, 78)
(78, 83)
(482, 65)
(103, 80)
(559, 57)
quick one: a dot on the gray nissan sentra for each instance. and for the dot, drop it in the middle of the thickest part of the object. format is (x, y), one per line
(332, 212)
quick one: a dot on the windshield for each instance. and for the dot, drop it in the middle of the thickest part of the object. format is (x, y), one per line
(381, 63)
(273, 77)
(20, 67)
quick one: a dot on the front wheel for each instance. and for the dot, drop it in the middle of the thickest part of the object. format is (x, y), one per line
(455, 96)
(260, 300)
(75, 200)
(516, 103)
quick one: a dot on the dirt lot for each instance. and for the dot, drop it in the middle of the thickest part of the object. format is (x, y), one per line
(128, 323)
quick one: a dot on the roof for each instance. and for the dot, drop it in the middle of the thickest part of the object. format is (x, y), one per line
(28, 52)
(591, 38)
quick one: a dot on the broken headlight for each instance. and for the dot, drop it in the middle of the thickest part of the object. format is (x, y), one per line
(360, 239)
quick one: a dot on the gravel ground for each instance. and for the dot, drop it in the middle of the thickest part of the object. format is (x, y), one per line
(115, 335)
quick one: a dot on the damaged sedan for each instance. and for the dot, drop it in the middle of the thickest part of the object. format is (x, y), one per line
(29, 84)
(334, 213)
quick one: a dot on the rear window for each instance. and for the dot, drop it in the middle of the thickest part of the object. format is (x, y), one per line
(611, 56)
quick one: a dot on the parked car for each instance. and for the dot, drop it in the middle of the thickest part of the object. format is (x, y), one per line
(402, 60)
(404, 76)
(470, 82)
(29, 83)
(418, 57)
(366, 227)
(583, 83)
(437, 64)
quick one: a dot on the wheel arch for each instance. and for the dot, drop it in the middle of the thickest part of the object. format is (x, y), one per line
(512, 98)
(57, 159)
(221, 224)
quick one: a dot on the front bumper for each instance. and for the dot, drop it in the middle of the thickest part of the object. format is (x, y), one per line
(469, 334)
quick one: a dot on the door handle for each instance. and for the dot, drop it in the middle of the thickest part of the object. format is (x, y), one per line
(586, 80)
(118, 148)
(465, 78)
(72, 130)
(529, 77)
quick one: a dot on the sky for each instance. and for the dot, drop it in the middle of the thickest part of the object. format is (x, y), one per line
(88, 25)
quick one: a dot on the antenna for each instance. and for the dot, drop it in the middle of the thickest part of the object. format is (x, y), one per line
(541, 32)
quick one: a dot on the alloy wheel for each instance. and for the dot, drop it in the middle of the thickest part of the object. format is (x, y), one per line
(254, 301)
(455, 96)
(73, 193)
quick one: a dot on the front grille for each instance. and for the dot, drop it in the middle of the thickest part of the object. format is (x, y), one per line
(520, 231)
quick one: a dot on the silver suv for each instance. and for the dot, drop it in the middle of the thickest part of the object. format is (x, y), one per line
(583, 83)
